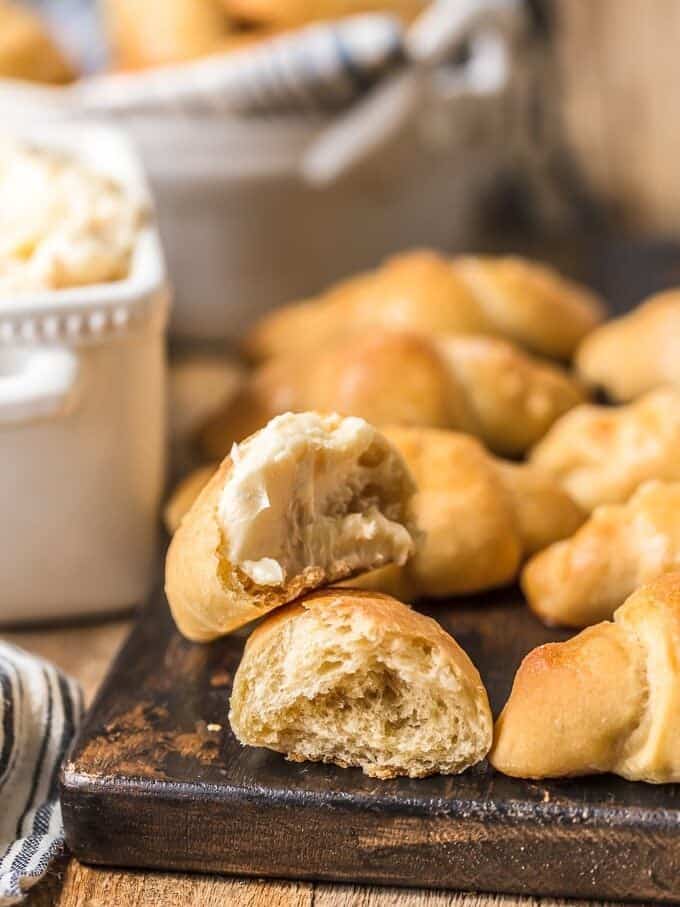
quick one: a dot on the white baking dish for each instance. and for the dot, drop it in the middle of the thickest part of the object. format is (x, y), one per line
(82, 423)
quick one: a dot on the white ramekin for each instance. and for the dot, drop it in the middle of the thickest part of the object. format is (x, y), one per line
(82, 422)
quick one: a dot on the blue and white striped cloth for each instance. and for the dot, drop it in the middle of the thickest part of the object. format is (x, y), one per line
(40, 710)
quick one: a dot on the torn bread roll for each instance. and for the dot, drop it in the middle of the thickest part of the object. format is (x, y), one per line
(607, 700)
(522, 301)
(601, 454)
(309, 500)
(477, 517)
(629, 356)
(583, 579)
(481, 385)
(359, 679)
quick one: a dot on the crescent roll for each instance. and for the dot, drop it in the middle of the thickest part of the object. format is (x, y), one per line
(584, 579)
(528, 303)
(26, 49)
(359, 679)
(477, 517)
(308, 500)
(601, 454)
(629, 356)
(607, 700)
(480, 385)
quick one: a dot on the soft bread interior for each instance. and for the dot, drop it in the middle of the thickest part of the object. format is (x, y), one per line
(332, 685)
(313, 490)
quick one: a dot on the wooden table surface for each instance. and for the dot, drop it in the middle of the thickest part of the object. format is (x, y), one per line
(85, 652)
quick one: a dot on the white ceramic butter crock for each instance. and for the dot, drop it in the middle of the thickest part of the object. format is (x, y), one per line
(82, 423)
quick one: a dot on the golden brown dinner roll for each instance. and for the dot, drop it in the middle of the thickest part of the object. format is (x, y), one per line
(481, 385)
(634, 354)
(290, 13)
(601, 454)
(360, 679)
(522, 301)
(607, 700)
(585, 578)
(146, 33)
(26, 49)
(468, 537)
(308, 500)
(477, 517)
(514, 397)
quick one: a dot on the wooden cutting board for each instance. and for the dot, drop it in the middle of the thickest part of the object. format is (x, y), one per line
(157, 780)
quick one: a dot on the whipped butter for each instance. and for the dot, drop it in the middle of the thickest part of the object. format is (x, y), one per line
(299, 495)
(61, 224)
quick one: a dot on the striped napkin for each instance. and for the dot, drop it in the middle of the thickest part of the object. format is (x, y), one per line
(40, 709)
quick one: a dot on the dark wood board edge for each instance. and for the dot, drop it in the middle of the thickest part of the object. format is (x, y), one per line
(246, 833)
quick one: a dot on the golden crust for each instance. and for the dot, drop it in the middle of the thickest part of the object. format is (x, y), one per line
(513, 397)
(469, 539)
(601, 454)
(481, 385)
(422, 290)
(632, 355)
(606, 701)
(532, 303)
(27, 50)
(477, 517)
(584, 579)
(564, 713)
